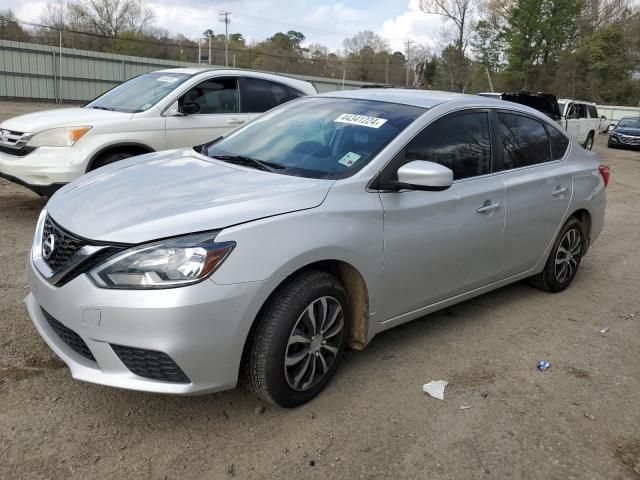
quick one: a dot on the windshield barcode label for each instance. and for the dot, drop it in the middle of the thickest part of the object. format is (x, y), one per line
(362, 120)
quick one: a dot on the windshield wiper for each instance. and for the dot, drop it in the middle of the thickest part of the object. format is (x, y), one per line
(250, 162)
(103, 108)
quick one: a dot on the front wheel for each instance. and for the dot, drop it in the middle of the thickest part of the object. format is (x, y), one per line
(564, 260)
(300, 339)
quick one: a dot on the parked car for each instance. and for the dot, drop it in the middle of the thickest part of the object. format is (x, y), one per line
(543, 102)
(317, 226)
(581, 120)
(626, 133)
(154, 111)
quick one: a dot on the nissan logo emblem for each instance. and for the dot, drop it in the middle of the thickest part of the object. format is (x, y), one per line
(48, 246)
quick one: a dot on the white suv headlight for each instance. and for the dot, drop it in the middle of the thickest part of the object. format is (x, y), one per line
(58, 137)
(165, 264)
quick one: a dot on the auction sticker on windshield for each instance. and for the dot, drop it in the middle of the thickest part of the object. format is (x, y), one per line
(362, 120)
(349, 159)
(168, 79)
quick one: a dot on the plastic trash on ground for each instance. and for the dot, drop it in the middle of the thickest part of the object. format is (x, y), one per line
(543, 365)
(435, 388)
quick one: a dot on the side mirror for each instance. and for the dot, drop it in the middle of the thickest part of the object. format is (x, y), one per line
(603, 118)
(189, 108)
(423, 175)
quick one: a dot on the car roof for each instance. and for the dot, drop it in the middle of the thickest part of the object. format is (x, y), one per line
(428, 98)
(564, 100)
(193, 71)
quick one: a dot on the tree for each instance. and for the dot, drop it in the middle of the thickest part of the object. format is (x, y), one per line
(366, 38)
(110, 17)
(457, 11)
(10, 29)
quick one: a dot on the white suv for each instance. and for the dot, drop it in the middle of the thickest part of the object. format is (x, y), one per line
(154, 111)
(581, 120)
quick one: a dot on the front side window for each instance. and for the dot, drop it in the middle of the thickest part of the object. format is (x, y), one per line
(260, 95)
(140, 93)
(318, 137)
(216, 95)
(459, 142)
(524, 141)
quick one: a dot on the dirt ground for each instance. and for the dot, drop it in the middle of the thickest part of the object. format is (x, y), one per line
(578, 420)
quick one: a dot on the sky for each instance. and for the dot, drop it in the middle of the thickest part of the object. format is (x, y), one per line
(324, 22)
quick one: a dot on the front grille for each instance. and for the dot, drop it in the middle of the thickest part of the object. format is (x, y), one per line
(68, 336)
(65, 244)
(150, 364)
(629, 140)
(17, 152)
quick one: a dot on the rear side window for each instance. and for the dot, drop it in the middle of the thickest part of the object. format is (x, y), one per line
(559, 143)
(524, 141)
(593, 111)
(459, 142)
(261, 95)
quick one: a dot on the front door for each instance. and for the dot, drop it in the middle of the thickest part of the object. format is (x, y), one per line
(441, 244)
(218, 100)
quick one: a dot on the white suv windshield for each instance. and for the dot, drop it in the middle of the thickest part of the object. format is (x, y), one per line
(139, 93)
(318, 137)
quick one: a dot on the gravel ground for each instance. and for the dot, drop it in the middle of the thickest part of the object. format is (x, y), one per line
(578, 420)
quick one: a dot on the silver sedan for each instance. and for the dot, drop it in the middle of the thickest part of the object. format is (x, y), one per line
(329, 219)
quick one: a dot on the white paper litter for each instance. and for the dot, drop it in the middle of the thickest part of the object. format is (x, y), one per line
(435, 388)
(604, 330)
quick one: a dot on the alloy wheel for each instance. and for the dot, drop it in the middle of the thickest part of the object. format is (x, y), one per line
(568, 255)
(314, 343)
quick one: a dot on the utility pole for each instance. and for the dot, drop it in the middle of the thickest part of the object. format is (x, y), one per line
(386, 74)
(199, 51)
(226, 21)
(210, 49)
(408, 45)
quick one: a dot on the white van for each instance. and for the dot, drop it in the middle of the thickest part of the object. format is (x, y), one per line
(581, 120)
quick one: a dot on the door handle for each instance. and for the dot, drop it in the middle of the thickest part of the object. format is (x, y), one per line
(235, 121)
(560, 191)
(489, 207)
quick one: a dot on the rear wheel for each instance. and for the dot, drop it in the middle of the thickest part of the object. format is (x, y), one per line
(109, 158)
(564, 260)
(588, 145)
(300, 339)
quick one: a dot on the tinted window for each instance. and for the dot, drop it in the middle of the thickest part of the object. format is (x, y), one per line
(261, 95)
(582, 110)
(593, 111)
(524, 141)
(218, 95)
(559, 143)
(459, 142)
(319, 137)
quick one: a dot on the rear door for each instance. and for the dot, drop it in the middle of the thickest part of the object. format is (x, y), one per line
(440, 244)
(259, 95)
(218, 100)
(538, 187)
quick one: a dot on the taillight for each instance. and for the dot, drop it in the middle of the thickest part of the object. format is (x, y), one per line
(605, 172)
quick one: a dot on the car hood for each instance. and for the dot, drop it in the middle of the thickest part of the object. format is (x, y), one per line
(176, 192)
(627, 131)
(60, 117)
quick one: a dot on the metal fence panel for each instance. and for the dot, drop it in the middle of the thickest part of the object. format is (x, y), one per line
(43, 72)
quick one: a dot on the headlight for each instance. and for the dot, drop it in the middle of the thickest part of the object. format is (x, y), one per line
(164, 264)
(58, 137)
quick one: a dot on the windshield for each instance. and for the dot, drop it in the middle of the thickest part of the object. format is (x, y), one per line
(629, 123)
(140, 93)
(319, 137)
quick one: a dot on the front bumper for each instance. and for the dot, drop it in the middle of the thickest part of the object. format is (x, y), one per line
(202, 328)
(45, 169)
(624, 141)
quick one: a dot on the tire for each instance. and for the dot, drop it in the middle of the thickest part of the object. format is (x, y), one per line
(285, 321)
(588, 144)
(554, 278)
(109, 158)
